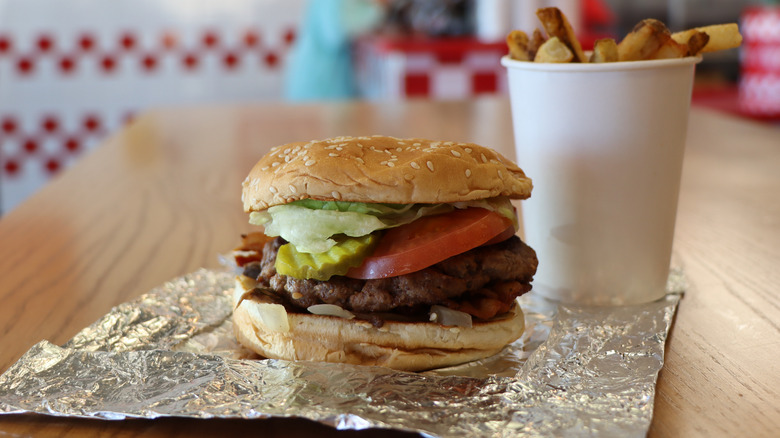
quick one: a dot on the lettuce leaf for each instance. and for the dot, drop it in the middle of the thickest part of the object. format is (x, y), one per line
(310, 230)
(357, 207)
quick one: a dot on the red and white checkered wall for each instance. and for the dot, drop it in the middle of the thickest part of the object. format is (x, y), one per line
(759, 87)
(72, 72)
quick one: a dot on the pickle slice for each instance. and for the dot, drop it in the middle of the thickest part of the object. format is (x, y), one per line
(348, 252)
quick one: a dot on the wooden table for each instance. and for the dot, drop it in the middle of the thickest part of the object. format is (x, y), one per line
(162, 198)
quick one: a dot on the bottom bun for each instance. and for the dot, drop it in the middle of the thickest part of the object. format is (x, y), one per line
(267, 329)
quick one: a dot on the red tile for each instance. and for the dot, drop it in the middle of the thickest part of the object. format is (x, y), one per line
(484, 83)
(416, 84)
(87, 42)
(128, 41)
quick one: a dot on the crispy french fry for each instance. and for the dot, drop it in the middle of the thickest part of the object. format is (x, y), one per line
(643, 41)
(604, 50)
(517, 40)
(696, 42)
(671, 49)
(554, 50)
(722, 37)
(536, 41)
(556, 24)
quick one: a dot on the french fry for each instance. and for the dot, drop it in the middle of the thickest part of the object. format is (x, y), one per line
(536, 41)
(517, 40)
(557, 25)
(643, 41)
(722, 37)
(604, 50)
(671, 49)
(696, 42)
(554, 50)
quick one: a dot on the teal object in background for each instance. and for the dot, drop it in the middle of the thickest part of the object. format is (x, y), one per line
(320, 66)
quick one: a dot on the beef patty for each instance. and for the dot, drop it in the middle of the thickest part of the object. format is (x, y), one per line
(498, 272)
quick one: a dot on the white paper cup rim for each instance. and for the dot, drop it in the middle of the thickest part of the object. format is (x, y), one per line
(510, 63)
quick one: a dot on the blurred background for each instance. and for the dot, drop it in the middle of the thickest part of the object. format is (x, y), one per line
(74, 71)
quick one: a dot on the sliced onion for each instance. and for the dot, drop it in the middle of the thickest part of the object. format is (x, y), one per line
(272, 316)
(449, 317)
(330, 310)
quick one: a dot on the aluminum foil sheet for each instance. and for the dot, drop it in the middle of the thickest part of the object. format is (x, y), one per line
(575, 372)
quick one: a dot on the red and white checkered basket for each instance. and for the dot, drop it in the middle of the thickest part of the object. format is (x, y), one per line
(453, 68)
(73, 71)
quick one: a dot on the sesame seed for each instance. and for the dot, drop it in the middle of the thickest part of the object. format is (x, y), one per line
(293, 189)
(333, 154)
(414, 165)
(273, 190)
(484, 158)
(390, 164)
(500, 174)
(408, 177)
(468, 150)
(275, 163)
(265, 168)
(430, 165)
(416, 144)
(455, 153)
(360, 160)
(336, 195)
(309, 163)
(468, 173)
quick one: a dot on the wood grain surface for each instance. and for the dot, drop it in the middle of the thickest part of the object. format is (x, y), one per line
(162, 198)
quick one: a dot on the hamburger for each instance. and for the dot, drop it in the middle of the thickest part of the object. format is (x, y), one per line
(382, 251)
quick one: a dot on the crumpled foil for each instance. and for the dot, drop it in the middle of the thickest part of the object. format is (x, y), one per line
(576, 371)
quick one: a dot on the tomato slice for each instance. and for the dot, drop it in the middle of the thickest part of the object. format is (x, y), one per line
(429, 240)
(506, 234)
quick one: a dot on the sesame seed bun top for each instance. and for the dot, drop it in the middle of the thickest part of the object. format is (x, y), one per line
(381, 169)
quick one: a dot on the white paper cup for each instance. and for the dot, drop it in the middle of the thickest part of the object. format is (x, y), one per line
(603, 144)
